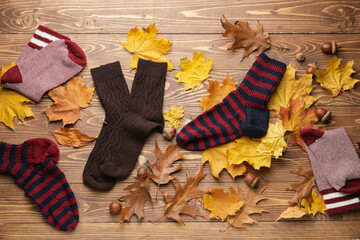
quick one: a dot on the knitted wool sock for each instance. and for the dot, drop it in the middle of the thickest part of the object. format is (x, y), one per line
(32, 164)
(243, 111)
(130, 118)
(41, 38)
(36, 72)
(336, 168)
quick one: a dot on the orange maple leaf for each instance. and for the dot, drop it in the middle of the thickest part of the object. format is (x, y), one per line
(139, 195)
(69, 101)
(303, 189)
(246, 37)
(178, 204)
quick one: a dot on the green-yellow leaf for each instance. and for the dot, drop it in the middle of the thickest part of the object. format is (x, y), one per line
(336, 79)
(273, 142)
(144, 45)
(246, 151)
(218, 160)
(173, 117)
(195, 71)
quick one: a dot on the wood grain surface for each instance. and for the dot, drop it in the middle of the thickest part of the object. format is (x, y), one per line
(299, 25)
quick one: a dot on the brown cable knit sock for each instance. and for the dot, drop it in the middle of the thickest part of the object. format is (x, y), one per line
(130, 119)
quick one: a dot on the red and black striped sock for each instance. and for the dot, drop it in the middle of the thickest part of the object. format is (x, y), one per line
(243, 111)
(32, 164)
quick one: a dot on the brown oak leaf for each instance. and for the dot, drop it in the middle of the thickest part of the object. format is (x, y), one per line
(304, 188)
(69, 101)
(72, 137)
(246, 37)
(178, 204)
(163, 166)
(243, 215)
(139, 195)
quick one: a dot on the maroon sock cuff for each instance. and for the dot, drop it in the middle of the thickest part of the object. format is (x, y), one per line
(309, 136)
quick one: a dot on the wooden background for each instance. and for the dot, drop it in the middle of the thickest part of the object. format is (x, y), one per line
(300, 25)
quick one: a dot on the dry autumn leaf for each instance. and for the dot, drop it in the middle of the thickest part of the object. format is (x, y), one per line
(250, 207)
(292, 212)
(304, 188)
(69, 101)
(246, 151)
(336, 79)
(222, 204)
(173, 117)
(218, 160)
(273, 142)
(178, 204)
(217, 92)
(246, 37)
(144, 45)
(12, 104)
(291, 89)
(72, 137)
(297, 118)
(163, 166)
(195, 71)
(139, 195)
(317, 205)
(4, 68)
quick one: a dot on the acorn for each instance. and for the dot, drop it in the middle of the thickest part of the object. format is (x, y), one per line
(252, 180)
(329, 47)
(142, 171)
(169, 132)
(323, 114)
(311, 68)
(115, 207)
(300, 57)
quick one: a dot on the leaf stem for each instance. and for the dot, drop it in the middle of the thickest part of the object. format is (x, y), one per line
(289, 159)
(111, 34)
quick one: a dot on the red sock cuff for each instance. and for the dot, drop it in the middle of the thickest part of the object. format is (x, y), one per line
(76, 54)
(309, 136)
(43, 36)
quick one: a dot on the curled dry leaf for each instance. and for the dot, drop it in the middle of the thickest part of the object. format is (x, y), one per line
(250, 207)
(304, 188)
(195, 71)
(72, 137)
(245, 37)
(69, 101)
(292, 212)
(178, 204)
(136, 200)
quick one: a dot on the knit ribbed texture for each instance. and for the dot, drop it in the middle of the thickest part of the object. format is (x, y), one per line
(130, 118)
(46, 62)
(32, 164)
(243, 111)
(336, 168)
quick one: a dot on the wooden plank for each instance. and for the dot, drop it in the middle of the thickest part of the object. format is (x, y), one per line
(193, 230)
(185, 16)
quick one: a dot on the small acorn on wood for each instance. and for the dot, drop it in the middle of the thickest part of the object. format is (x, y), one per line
(311, 68)
(252, 180)
(323, 115)
(300, 57)
(115, 207)
(329, 47)
(169, 132)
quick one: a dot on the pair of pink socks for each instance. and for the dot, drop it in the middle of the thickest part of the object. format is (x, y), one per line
(47, 61)
(336, 168)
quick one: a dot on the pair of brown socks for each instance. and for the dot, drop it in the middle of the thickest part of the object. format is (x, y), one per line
(129, 120)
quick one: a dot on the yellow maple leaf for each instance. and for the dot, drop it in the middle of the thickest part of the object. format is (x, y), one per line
(273, 142)
(69, 101)
(292, 212)
(4, 68)
(222, 204)
(291, 89)
(195, 71)
(218, 160)
(173, 117)
(217, 92)
(246, 151)
(336, 79)
(317, 205)
(144, 45)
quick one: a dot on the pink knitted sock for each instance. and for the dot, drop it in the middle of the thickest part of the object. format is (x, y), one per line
(336, 168)
(41, 38)
(43, 70)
